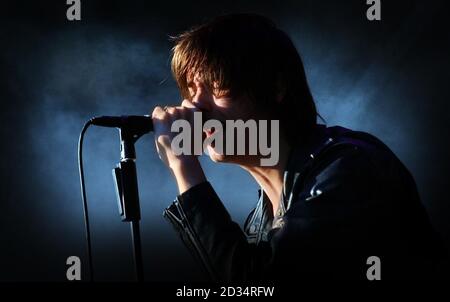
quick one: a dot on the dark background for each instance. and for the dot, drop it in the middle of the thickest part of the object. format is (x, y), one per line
(387, 77)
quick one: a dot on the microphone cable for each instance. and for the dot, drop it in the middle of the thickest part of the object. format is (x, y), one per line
(83, 196)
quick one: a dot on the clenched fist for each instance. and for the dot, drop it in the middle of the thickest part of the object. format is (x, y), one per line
(185, 168)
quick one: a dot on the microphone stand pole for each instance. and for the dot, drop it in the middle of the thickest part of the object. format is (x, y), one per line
(125, 179)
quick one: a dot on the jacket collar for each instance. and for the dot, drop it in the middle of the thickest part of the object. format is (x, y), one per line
(299, 156)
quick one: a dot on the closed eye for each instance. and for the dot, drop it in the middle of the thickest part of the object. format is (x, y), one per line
(192, 89)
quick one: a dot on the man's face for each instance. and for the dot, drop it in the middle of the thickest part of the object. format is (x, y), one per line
(219, 105)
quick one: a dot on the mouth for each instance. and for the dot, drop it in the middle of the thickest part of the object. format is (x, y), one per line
(209, 132)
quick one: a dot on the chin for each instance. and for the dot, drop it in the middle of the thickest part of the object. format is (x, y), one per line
(216, 157)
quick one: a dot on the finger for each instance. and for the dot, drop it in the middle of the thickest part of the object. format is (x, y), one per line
(171, 110)
(188, 104)
(158, 112)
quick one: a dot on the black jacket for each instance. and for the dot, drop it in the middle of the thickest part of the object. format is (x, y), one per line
(345, 197)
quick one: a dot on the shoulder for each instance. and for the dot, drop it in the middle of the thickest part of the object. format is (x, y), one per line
(338, 147)
(350, 167)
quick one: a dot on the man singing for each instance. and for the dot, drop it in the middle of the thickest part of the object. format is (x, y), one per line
(334, 198)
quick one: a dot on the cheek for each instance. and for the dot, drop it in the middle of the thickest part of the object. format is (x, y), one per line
(222, 111)
(235, 110)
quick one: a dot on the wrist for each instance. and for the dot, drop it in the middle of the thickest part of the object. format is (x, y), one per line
(188, 173)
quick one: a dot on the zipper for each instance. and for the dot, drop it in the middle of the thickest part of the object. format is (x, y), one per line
(191, 236)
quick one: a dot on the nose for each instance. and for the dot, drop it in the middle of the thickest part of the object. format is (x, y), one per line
(203, 98)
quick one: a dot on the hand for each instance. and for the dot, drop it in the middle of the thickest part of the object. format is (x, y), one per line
(185, 168)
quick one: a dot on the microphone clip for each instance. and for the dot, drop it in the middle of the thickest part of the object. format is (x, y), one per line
(125, 177)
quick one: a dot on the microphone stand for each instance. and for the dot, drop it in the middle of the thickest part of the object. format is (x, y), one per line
(125, 180)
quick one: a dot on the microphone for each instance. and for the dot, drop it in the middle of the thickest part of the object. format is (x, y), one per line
(140, 124)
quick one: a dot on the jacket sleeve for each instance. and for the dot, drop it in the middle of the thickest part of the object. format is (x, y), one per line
(215, 240)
